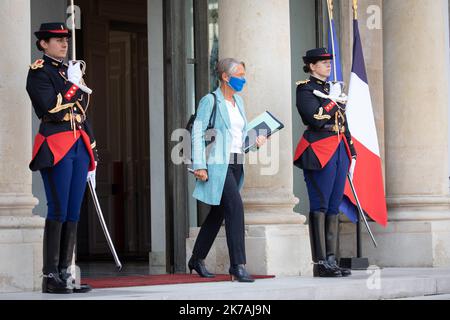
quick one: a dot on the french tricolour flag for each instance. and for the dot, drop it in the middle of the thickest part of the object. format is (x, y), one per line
(368, 178)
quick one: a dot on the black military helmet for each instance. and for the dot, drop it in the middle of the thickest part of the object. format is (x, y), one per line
(314, 55)
(53, 30)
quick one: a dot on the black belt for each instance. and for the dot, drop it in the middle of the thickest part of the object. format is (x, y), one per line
(77, 117)
(329, 128)
(47, 119)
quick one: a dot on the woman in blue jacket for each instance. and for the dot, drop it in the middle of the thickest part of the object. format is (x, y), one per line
(220, 175)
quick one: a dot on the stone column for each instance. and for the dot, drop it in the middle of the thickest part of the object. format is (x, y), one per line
(20, 232)
(416, 65)
(157, 256)
(258, 33)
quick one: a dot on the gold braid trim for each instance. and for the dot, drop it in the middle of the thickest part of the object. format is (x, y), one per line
(321, 116)
(341, 116)
(302, 82)
(38, 64)
(70, 117)
(60, 106)
(81, 108)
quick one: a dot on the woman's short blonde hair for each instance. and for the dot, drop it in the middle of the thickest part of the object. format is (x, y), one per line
(227, 66)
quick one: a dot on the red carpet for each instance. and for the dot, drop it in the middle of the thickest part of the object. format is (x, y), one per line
(153, 280)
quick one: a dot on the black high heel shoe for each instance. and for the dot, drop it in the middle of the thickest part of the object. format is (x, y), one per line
(199, 266)
(238, 272)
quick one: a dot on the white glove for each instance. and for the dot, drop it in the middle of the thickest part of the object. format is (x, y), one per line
(74, 72)
(352, 168)
(91, 176)
(75, 75)
(335, 89)
(342, 99)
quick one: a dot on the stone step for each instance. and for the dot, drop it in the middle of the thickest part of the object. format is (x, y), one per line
(371, 285)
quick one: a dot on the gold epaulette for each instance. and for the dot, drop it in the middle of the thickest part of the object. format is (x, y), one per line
(39, 63)
(298, 83)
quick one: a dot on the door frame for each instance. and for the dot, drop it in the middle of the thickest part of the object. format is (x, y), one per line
(111, 20)
(175, 108)
(177, 114)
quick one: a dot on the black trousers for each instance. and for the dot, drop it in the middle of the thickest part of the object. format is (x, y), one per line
(231, 209)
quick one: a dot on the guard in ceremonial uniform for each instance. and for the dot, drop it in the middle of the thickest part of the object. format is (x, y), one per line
(325, 153)
(64, 151)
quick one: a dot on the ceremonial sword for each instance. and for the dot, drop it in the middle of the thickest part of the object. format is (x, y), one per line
(103, 224)
(361, 213)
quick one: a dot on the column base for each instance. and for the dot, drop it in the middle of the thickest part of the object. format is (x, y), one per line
(354, 263)
(157, 263)
(280, 250)
(20, 253)
(270, 207)
(17, 204)
(412, 239)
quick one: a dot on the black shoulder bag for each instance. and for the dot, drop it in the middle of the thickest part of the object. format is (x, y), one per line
(210, 131)
(210, 134)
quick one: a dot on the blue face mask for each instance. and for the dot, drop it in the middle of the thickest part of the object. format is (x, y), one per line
(237, 84)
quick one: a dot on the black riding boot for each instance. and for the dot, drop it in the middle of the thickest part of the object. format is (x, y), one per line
(318, 247)
(68, 241)
(52, 283)
(311, 237)
(332, 231)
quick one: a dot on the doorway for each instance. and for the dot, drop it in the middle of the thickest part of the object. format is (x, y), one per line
(113, 42)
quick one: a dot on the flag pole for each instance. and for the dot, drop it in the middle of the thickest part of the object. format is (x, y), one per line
(358, 262)
(330, 18)
(74, 42)
(361, 215)
(358, 223)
